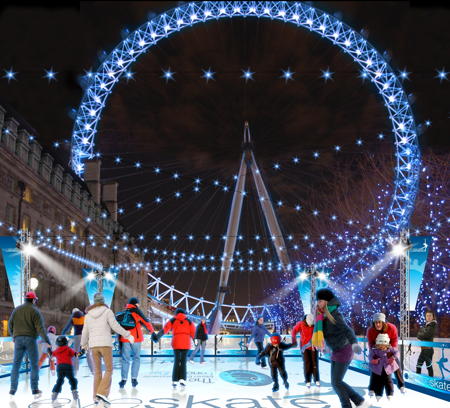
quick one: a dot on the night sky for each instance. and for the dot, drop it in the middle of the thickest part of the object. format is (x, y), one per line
(195, 127)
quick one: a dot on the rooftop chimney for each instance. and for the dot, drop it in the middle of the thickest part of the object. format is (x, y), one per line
(92, 178)
(110, 198)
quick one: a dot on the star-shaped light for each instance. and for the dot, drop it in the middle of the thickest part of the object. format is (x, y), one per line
(442, 75)
(208, 74)
(138, 165)
(168, 75)
(10, 74)
(117, 160)
(327, 74)
(404, 74)
(247, 74)
(337, 148)
(287, 75)
(50, 75)
(295, 160)
(129, 75)
(316, 155)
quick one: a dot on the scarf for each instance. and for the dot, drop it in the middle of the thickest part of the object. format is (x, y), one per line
(318, 339)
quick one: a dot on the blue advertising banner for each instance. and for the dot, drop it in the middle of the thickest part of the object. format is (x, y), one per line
(417, 259)
(11, 259)
(109, 284)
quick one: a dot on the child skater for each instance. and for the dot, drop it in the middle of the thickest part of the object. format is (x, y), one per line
(51, 334)
(276, 359)
(310, 357)
(64, 355)
(383, 363)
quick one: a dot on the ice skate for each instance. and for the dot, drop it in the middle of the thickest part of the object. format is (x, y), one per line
(317, 383)
(275, 388)
(37, 394)
(403, 390)
(134, 382)
(122, 383)
(308, 385)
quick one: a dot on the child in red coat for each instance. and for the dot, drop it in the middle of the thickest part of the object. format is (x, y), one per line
(310, 357)
(64, 355)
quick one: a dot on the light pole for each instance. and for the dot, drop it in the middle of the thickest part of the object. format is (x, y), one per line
(26, 251)
(313, 275)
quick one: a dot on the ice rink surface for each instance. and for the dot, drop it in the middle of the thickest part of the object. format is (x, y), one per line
(229, 382)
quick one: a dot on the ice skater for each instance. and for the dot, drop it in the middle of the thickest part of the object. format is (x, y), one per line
(201, 336)
(427, 333)
(310, 356)
(380, 326)
(330, 327)
(183, 332)
(64, 369)
(25, 323)
(382, 363)
(275, 351)
(259, 331)
(51, 333)
(132, 319)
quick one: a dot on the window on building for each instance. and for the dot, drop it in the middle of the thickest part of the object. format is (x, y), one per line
(4, 328)
(27, 195)
(26, 222)
(73, 226)
(10, 214)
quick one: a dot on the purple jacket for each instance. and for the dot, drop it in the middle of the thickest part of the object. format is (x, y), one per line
(383, 360)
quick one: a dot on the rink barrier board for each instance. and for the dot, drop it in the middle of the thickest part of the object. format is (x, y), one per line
(434, 386)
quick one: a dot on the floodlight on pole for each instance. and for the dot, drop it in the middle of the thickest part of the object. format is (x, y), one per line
(34, 283)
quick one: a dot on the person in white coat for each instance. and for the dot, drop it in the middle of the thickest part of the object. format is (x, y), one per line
(96, 335)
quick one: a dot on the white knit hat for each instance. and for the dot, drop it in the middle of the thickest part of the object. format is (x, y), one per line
(309, 319)
(379, 317)
(383, 339)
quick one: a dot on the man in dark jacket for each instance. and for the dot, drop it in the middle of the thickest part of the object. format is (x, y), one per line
(201, 335)
(427, 333)
(25, 324)
(258, 333)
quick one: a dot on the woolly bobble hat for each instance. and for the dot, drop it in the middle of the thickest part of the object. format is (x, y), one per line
(309, 318)
(51, 329)
(379, 317)
(75, 309)
(325, 294)
(179, 310)
(383, 338)
(275, 338)
(133, 301)
(99, 298)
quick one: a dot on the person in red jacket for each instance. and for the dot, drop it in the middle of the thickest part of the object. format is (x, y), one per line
(310, 358)
(64, 355)
(380, 326)
(126, 348)
(183, 332)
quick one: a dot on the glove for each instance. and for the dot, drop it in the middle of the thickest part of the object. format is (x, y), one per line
(391, 360)
(81, 353)
(131, 339)
(375, 361)
(356, 348)
(49, 351)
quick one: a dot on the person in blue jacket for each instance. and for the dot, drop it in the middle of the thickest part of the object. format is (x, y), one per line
(258, 333)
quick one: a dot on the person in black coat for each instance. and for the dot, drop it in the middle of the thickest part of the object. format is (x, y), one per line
(201, 336)
(427, 333)
(276, 359)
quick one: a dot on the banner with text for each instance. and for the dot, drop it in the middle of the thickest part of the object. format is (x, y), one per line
(418, 254)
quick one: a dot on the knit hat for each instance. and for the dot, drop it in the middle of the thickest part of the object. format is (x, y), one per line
(31, 295)
(379, 317)
(309, 318)
(324, 294)
(75, 309)
(275, 338)
(179, 310)
(99, 298)
(61, 341)
(133, 301)
(383, 338)
(51, 329)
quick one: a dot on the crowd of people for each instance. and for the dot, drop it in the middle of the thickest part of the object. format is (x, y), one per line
(325, 330)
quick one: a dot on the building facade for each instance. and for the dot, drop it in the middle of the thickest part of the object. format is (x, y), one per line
(41, 196)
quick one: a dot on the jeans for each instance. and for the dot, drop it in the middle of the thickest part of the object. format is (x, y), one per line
(342, 389)
(22, 345)
(179, 365)
(127, 350)
(65, 371)
(259, 360)
(425, 356)
(102, 381)
(201, 345)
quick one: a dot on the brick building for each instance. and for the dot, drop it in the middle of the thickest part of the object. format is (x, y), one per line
(38, 194)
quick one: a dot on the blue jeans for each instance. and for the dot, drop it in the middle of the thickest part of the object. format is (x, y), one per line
(22, 345)
(342, 389)
(259, 360)
(201, 345)
(127, 350)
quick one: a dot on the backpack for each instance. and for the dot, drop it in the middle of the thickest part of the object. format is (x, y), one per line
(126, 319)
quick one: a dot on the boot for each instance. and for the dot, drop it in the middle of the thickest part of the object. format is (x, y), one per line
(75, 394)
(275, 388)
(54, 396)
